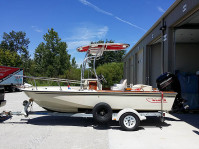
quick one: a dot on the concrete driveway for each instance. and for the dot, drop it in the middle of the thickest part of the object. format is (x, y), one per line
(179, 131)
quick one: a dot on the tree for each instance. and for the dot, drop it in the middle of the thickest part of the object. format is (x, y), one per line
(41, 59)
(51, 57)
(17, 43)
(74, 65)
(112, 72)
(108, 56)
(9, 58)
(73, 74)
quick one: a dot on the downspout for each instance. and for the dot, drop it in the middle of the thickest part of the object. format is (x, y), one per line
(163, 29)
(174, 47)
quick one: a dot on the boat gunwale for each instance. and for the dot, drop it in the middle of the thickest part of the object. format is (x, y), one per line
(106, 93)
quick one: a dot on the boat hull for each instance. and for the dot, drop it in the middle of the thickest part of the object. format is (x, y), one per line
(71, 101)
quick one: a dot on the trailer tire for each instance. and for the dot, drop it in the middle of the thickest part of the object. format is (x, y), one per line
(102, 113)
(129, 121)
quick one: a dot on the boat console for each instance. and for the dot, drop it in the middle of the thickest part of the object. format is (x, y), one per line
(91, 84)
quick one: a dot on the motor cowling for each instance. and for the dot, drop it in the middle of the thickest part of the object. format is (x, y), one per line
(170, 82)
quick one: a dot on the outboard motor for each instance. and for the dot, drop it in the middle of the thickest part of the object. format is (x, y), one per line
(169, 82)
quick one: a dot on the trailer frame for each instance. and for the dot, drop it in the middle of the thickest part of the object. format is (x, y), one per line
(140, 116)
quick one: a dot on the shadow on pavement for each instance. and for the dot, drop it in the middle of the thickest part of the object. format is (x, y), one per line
(192, 119)
(152, 122)
(4, 118)
(72, 121)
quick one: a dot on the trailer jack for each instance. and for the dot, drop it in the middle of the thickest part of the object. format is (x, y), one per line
(25, 112)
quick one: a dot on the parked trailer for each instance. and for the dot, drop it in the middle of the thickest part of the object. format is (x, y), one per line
(129, 119)
(9, 78)
(2, 101)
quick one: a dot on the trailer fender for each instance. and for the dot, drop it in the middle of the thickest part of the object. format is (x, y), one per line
(129, 110)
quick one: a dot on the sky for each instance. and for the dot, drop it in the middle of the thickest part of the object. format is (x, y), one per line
(78, 22)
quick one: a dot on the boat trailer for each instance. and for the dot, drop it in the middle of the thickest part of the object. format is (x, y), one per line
(126, 123)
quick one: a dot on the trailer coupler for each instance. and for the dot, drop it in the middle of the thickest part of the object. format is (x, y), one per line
(25, 112)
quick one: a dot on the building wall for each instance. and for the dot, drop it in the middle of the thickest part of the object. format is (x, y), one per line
(177, 13)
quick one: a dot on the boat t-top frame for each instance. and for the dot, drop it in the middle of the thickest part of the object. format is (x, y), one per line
(94, 52)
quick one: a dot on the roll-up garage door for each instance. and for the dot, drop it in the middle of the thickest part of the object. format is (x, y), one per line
(155, 69)
(139, 67)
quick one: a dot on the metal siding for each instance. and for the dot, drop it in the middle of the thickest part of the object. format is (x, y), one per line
(174, 15)
(179, 13)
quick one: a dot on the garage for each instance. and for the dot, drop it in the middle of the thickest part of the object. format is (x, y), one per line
(170, 45)
(187, 58)
(187, 44)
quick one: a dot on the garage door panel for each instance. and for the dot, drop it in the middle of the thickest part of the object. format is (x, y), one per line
(155, 69)
(139, 66)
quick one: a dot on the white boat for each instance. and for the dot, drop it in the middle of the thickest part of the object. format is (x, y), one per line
(90, 93)
(52, 98)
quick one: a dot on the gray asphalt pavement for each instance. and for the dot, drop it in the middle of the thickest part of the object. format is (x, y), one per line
(179, 131)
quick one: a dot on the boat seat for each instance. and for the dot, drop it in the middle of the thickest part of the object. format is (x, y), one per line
(121, 86)
(141, 87)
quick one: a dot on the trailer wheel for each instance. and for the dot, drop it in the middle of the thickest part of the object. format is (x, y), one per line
(129, 121)
(102, 112)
